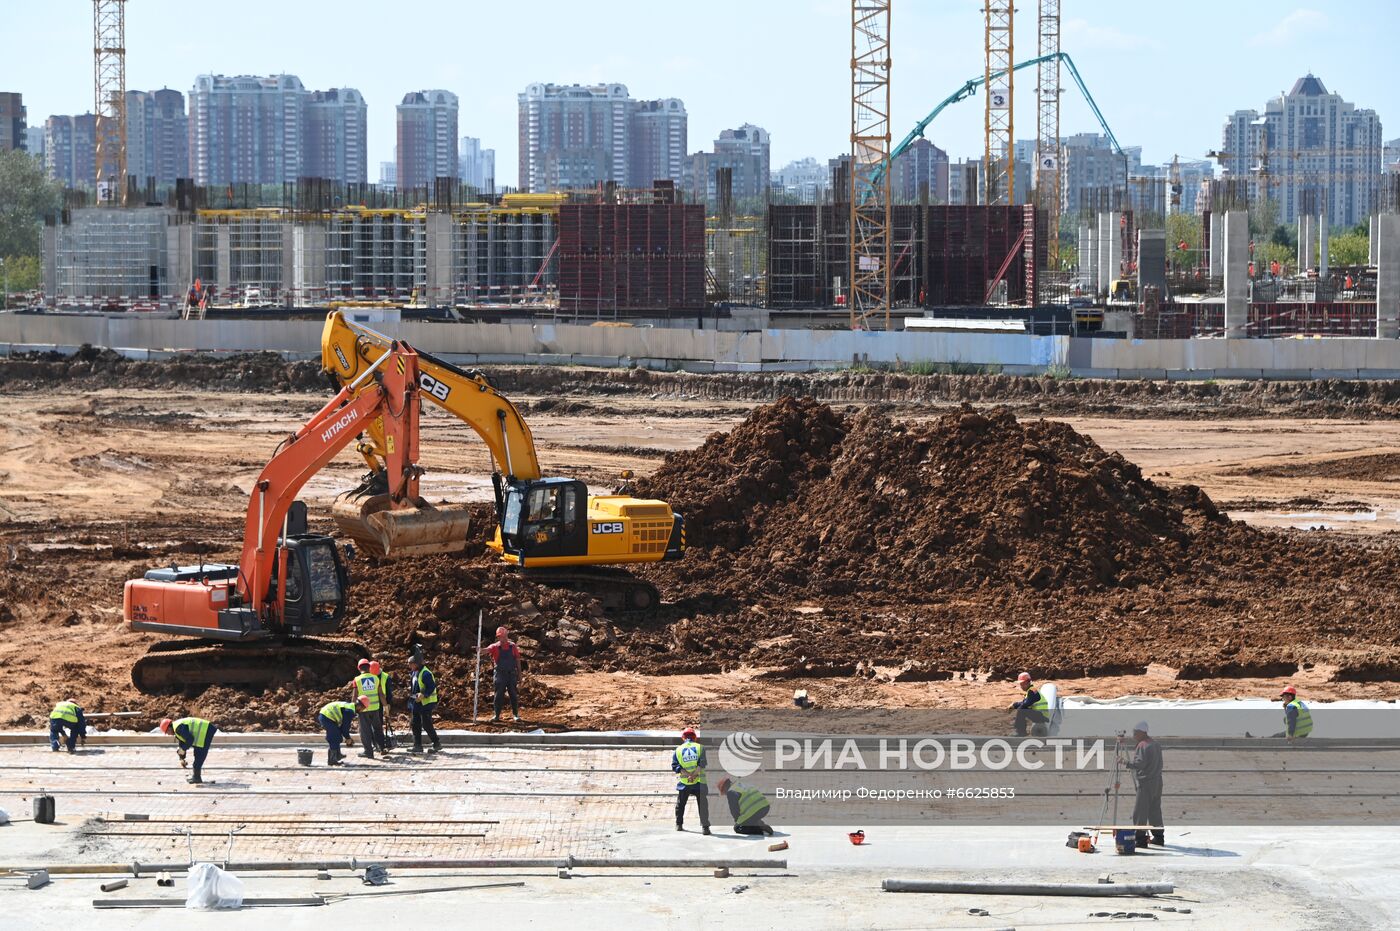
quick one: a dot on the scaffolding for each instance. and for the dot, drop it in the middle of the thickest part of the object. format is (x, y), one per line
(109, 98)
(999, 124)
(870, 252)
(103, 257)
(1047, 172)
(735, 258)
(238, 253)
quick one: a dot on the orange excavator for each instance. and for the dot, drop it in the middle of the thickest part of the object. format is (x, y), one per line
(261, 621)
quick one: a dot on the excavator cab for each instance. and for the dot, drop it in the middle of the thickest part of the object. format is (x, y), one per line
(316, 585)
(546, 518)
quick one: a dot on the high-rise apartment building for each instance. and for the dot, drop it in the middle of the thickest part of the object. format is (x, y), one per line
(1092, 175)
(1307, 140)
(572, 136)
(804, 180)
(157, 136)
(246, 130)
(476, 165)
(70, 150)
(335, 139)
(12, 122)
(35, 141)
(427, 138)
(1390, 157)
(922, 163)
(745, 152)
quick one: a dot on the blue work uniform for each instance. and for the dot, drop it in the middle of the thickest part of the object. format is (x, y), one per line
(66, 719)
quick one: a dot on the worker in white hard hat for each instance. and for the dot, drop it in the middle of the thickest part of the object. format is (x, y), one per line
(1146, 765)
(1032, 710)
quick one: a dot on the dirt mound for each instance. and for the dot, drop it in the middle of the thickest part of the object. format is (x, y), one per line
(103, 368)
(1378, 467)
(800, 499)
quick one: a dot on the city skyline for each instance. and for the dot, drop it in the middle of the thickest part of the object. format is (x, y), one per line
(805, 105)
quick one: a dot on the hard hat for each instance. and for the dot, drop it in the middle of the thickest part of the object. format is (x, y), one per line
(1289, 690)
(502, 632)
(374, 668)
(1141, 726)
(626, 473)
(1023, 677)
(165, 725)
(723, 785)
(363, 702)
(688, 733)
(362, 665)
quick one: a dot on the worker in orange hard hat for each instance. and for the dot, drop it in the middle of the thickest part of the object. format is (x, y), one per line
(386, 709)
(1032, 710)
(191, 732)
(1297, 718)
(366, 685)
(688, 763)
(506, 655)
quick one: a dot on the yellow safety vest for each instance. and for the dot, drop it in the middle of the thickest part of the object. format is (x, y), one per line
(1042, 703)
(367, 685)
(64, 711)
(688, 756)
(336, 710)
(199, 730)
(1303, 726)
(383, 686)
(418, 687)
(751, 802)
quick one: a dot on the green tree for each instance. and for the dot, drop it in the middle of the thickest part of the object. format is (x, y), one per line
(1349, 248)
(1183, 227)
(26, 197)
(1285, 256)
(23, 273)
(1263, 218)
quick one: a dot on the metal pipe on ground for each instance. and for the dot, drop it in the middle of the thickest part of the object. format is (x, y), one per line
(357, 863)
(1095, 890)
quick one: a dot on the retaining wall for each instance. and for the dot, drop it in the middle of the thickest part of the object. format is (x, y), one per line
(726, 351)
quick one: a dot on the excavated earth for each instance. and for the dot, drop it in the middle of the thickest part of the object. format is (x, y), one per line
(842, 546)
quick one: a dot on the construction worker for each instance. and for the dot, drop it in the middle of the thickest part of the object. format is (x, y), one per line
(626, 487)
(1297, 718)
(1146, 765)
(506, 655)
(1033, 710)
(366, 685)
(688, 763)
(335, 719)
(748, 806)
(386, 707)
(66, 719)
(422, 702)
(191, 732)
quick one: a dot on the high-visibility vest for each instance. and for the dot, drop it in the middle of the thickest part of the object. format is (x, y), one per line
(384, 685)
(367, 686)
(1303, 726)
(430, 699)
(64, 711)
(751, 802)
(335, 710)
(199, 730)
(1041, 703)
(688, 756)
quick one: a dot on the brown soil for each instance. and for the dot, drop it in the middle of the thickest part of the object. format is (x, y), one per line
(1380, 467)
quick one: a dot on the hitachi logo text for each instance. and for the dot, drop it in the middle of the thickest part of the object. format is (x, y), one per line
(345, 420)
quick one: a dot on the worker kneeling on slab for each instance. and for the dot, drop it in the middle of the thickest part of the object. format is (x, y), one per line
(1033, 710)
(191, 732)
(66, 720)
(688, 762)
(422, 702)
(1297, 719)
(335, 719)
(747, 805)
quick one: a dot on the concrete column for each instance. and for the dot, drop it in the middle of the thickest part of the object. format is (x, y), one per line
(1217, 244)
(440, 230)
(1323, 260)
(1111, 252)
(1374, 240)
(1236, 273)
(309, 262)
(1084, 248)
(1090, 267)
(1388, 276)
(1152, 263)
(179, 258)
(50, 263)
(223, 259)
(289, 267)
(1307, 249)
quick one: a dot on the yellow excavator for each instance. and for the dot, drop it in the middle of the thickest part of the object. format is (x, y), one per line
(549, 527)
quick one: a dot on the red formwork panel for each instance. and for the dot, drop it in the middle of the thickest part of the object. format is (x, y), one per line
(966, 247)
(631, 257)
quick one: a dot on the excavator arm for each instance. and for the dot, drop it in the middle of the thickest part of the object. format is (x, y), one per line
(348, 349)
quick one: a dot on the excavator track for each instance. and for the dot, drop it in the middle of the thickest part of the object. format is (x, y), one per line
(619, 591)
(194, 665)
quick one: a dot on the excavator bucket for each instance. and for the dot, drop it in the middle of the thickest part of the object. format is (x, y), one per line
(378, 529)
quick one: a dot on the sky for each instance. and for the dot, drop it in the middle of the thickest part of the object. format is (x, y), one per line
(1164, 75)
